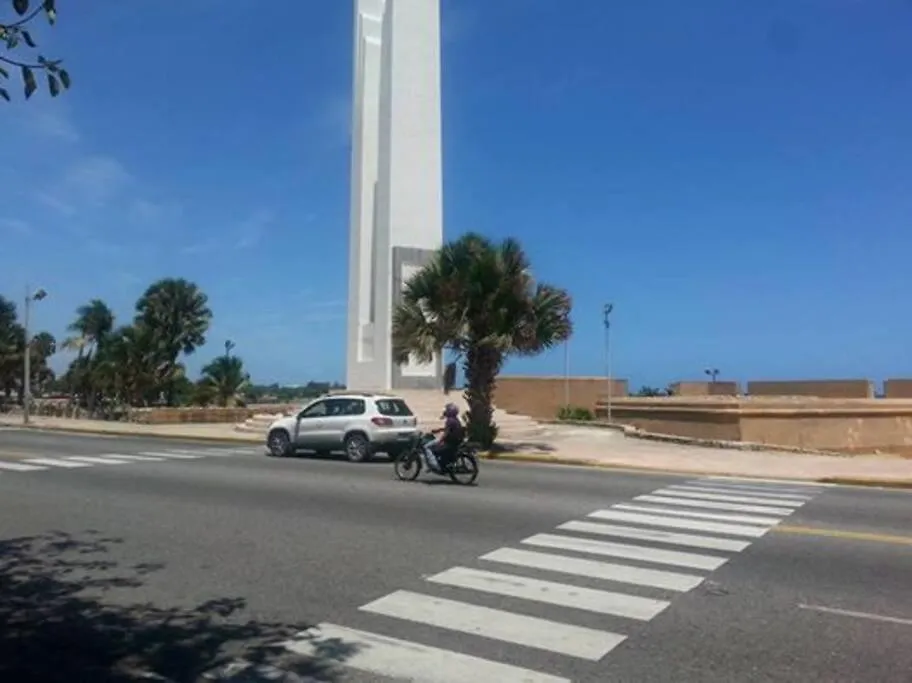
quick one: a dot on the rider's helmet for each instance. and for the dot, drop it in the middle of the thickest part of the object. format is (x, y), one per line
(450, 410)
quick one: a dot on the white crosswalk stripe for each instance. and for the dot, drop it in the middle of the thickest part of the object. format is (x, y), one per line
(72, 462)
(519, 629)
(677, 522)
(703, 513)
(729, 498)
(57, 462)
(655, 535)
(720, 489)
(403, 660)
(564, 595)
(733, 507)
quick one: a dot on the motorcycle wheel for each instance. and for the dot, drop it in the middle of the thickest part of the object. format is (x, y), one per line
(464, 470)
(407, 466)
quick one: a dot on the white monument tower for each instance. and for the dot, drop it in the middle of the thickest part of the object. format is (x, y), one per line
(396, 180)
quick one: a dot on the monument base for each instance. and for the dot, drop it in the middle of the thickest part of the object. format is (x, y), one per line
(406, 262)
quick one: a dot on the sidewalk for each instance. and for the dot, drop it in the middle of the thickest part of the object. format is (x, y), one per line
(580, 446)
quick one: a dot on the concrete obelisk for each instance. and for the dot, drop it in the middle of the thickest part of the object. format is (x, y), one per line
(396, 181)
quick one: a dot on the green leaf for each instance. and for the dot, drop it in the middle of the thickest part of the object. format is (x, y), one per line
(64, 78)
(28, 39)
(21, 6)
(4, 94)
(4, 73)
(28, 77)
(53, 85)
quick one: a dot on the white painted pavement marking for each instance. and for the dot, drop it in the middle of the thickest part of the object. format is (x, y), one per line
(97, 460)
(776, 482)
(542, 634)
(403, 660)
(552, 593)
(630, 552)
(175, 456)
(54, 462)
(719, 489)
(656, 535)
(593, 569)
(652, 509)
(137, 458)
(710, 505)
(858, 615)
(677, 523)
(19, 467)
(756, 489)
(728, 499)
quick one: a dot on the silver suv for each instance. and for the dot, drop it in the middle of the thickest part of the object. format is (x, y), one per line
(360, 424)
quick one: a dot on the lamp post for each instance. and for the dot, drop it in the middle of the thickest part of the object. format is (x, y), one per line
(30, 298)
(229, 346)
(712, 373)
(606, 312)
(567, 372)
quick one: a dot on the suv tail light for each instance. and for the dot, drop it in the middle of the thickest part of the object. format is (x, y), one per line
(382, 421)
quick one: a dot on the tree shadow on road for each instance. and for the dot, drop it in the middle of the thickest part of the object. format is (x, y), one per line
(56, 626)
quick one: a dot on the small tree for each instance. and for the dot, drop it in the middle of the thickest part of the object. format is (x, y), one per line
(14, 35)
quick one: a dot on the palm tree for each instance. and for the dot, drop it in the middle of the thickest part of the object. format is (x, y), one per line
(479, 299)
(226, 377)
(94, 321)
(176, 314)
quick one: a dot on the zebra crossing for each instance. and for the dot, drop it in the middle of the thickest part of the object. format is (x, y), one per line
(663, 543)
(71, 462)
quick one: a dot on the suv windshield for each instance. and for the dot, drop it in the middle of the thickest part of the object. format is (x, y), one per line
(393, 406)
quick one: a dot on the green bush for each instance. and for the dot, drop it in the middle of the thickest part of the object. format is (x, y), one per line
(575, 413)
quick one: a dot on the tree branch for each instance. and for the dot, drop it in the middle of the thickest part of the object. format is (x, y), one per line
(26, 19)
(13, 62)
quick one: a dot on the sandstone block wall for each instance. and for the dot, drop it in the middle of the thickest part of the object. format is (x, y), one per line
(542, 397)
(700, 388)
(820, 388)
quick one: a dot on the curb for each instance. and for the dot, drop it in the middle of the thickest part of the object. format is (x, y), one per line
(137, 435)
(530, 458)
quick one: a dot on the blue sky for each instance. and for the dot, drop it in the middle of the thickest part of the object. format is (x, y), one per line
(733, 176)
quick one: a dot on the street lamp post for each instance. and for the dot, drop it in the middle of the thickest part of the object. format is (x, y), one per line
(606, 312)
(30, 298)
(713, 373)
(229, 346)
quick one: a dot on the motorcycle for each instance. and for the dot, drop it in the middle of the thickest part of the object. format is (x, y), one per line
(462, 469)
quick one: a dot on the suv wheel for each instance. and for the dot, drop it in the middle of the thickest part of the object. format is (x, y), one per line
(279, 443)
(357, 447)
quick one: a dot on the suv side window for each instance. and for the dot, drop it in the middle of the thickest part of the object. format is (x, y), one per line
(344, 407)
(315, 410)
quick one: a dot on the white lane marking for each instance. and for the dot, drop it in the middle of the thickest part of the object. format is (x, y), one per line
(729, 499)
(552, 593)
(676, 523)
(97, 460)
(710, 505)
(403, 660)
(54, 462)
(200, 453)
(175, 456)
(720, 489)
(18, 467)
(656, 510)
(137, 458)
(542, 634)
(774, 482)
(593, 569)
(858, 615)
(226, 451)
(630, 552)
(656, 535)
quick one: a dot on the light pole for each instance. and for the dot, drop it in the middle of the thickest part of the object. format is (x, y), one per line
(567, 372)
(606, 312)
(712, 373)
(229, 346)
(30, 298)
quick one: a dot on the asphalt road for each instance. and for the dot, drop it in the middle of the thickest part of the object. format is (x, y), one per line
(175, 558)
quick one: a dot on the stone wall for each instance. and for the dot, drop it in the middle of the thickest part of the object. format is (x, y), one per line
(820, 388)
(845, 425)
(542, 397)
(164, 416)
(898, 388)
(700, 388)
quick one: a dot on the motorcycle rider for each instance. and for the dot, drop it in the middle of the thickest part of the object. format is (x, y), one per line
(450, 438)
